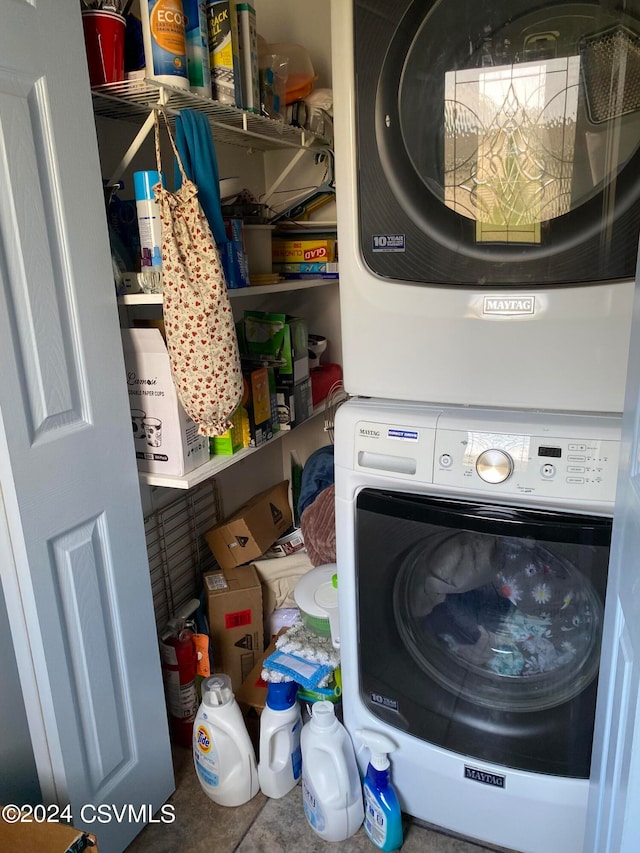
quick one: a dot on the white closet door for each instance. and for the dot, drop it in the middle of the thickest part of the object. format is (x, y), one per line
(73, 561)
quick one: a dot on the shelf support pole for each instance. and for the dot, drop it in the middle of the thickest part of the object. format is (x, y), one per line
(133, 149)
(290, 166)
(145, 130)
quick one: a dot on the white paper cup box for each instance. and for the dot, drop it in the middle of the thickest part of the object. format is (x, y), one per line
(166, 438)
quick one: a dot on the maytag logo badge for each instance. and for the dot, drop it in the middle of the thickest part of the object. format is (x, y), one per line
(370, 433)
(483, 776)
(503, 305)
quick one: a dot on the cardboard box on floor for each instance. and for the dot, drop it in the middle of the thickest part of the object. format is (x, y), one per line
(45, 838)
(253, 529)
(253, 690)
(252, 696)
(234, 611)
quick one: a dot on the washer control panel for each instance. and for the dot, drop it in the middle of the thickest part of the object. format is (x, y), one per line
(537, 456)
(584, 467)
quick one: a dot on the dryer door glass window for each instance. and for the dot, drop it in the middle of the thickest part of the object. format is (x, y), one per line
(475, 618)
(498, 144)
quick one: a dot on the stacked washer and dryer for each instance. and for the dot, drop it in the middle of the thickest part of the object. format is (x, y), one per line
(487, 164)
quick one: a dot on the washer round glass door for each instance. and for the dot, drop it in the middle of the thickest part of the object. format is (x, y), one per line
(479, 626)
(498, 145)
(504, 622)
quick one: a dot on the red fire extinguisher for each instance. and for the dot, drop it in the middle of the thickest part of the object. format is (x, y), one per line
(179, 664)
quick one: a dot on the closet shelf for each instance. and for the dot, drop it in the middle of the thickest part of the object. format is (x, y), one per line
(132, 101)
(289, 286)
(217, 463)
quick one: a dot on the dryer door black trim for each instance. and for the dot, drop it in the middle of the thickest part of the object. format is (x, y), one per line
(452, 194)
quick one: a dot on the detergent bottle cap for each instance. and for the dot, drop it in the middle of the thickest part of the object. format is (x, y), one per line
(216, 690)
(379, 746)
(281, 694)
(323, 715)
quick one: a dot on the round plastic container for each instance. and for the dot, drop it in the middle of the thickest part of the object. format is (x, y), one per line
(300, 76)
(316, 595)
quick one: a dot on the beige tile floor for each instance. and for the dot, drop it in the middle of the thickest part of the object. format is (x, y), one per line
(262, 826)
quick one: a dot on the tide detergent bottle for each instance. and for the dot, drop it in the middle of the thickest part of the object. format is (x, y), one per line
(331, 789)
(222, 751)
(382, 815)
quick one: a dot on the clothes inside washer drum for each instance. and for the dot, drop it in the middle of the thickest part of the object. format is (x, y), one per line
(526, 636)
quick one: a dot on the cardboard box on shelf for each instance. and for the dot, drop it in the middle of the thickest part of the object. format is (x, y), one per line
(311, 269)
(234, 439)
(295, 403)
(253, 529)
(166, 438)
(234, 254)
(295, 352)
(257, 403)
(234, 611)
(286, 251)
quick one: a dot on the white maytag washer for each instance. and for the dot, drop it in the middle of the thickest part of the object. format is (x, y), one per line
(472, 551)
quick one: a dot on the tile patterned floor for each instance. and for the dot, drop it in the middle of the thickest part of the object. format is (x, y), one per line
(262, 826)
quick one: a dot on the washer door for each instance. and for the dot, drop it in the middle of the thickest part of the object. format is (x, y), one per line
(498, 145)
(504, 622)
(477, 621)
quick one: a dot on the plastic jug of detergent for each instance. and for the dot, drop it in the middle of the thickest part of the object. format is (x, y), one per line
(222, 751)
(280, 762)
(331, 788)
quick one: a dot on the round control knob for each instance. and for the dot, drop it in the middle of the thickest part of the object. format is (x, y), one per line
(494, 466)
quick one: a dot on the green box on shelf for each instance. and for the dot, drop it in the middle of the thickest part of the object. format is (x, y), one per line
(295, 352)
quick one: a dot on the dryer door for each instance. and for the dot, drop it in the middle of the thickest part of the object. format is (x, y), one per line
(498, 143)
(479, 626)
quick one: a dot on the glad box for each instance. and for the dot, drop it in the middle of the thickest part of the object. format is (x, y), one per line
(166, 439)
(303, 251)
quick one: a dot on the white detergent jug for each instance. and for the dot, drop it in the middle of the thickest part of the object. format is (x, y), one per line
(222, 751)
(331, 787)
(280, 726)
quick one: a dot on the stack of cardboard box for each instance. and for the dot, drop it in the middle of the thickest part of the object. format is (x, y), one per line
(234, 594)
(293, 381)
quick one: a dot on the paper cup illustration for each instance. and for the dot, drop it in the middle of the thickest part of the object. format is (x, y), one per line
(137, 422)
(153, 431)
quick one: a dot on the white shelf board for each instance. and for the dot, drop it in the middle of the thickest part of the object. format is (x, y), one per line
(215, 465)
(287, 286)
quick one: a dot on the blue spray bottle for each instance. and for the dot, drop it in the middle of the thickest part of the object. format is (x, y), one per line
(382, 815)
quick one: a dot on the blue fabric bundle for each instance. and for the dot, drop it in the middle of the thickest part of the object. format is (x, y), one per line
(198, 155)
(317, 474)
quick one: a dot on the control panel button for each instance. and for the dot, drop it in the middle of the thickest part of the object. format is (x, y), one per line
(548, 471)
(446, 461)
(494, 466)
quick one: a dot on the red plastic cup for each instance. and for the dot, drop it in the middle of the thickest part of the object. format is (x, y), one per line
(104, 43)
